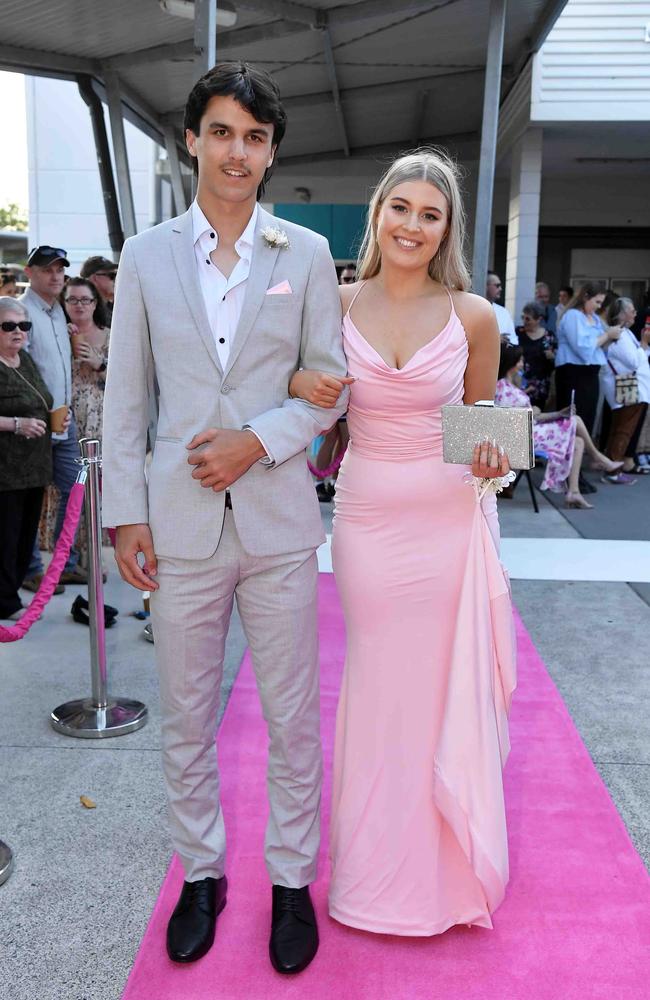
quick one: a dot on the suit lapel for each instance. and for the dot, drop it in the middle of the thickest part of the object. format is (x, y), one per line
(262, 263)
(185, 261)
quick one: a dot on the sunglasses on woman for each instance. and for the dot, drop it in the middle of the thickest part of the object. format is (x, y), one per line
(9, 327)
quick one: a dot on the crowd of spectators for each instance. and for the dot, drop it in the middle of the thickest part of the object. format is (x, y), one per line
(582, 363)
(53, 357)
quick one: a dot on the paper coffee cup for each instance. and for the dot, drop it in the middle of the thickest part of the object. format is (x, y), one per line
(57, 419)
(75, 341)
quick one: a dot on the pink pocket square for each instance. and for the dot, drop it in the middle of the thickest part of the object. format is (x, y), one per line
(284, 288)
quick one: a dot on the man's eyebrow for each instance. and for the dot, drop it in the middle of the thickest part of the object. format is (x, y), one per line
(259, 130)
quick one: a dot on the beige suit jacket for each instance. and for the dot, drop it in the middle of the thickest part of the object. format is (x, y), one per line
(160, 330)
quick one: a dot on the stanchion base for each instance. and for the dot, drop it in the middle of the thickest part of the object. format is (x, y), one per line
(6, 862)
(83, 719)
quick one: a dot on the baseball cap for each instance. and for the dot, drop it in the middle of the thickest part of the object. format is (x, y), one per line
(44, 255)
(94, 264)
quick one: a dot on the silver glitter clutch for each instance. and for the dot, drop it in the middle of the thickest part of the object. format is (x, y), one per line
(510, 426)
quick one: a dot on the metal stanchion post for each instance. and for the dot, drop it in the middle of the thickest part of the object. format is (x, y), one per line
(100, 715)
(6, 862)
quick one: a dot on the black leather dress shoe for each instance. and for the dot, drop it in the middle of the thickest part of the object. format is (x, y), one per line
(294, 934)
(190, 932)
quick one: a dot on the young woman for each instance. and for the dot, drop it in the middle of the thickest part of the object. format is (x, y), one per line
(582, 341)
(418, 835)
(561, 435)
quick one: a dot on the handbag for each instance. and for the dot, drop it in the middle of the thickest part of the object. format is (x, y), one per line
(510, 426)
(626, 387)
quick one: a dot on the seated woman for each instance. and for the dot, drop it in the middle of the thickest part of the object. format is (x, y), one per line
(562, 436)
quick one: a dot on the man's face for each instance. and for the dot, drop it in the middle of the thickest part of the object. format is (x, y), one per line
(104, 282)
(348, 276)
(233, 150)
(543, 294)
(563, 297)
(493, 288)
(47, 281)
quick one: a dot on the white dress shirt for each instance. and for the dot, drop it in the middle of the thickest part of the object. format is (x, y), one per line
(223, 297)
(506, 326)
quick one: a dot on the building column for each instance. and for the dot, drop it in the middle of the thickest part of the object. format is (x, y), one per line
(487, 156)
(523, 221)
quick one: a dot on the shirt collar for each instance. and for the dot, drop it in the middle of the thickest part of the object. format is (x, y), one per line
(200, 226)
(41, 302)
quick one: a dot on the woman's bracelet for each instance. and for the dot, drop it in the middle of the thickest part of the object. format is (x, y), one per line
(17, 425)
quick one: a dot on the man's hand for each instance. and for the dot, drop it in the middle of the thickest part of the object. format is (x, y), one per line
(132, 539)
(221, 457)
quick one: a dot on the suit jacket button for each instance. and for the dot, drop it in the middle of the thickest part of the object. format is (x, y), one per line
(225, 389)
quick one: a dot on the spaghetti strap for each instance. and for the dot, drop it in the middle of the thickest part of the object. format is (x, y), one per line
(451, 301)
(362, 285)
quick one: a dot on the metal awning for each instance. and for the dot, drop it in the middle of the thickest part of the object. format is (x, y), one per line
(358, 77)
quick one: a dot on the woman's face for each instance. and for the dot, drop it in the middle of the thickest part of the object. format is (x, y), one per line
(9, 288)
(12, 341)
(628, 315)
(593, 304)
(79, 303)
(413, 221)
(531, 323)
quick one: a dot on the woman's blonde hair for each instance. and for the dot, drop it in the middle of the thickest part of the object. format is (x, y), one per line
(437, 168)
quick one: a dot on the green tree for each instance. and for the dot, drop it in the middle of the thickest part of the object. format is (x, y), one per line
(13, 217)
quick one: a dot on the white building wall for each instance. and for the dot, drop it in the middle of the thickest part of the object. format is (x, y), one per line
(595, 64)
(66, 206)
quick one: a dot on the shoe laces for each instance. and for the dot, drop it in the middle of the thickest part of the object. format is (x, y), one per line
(199, 893)
(291, 901)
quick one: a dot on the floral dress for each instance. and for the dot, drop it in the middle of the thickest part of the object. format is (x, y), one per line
(88, 386)
(555, 439)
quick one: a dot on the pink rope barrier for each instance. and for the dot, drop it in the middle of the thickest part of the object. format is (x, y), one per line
(330, 470)
(54, 570)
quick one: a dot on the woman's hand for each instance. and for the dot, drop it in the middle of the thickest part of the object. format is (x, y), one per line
(614, 332)
(489, 461)
(31, 427)
(319, 388)
(550, 354)
(89, 355)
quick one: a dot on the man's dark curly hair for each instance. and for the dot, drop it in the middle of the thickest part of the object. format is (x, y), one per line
(253, 88)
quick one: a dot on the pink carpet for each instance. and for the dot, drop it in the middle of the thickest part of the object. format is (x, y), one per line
(575, 924)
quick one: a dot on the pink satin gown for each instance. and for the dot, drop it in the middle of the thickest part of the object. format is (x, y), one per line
(418, 833)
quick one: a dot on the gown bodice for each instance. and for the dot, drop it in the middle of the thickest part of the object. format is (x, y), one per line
(395, 413)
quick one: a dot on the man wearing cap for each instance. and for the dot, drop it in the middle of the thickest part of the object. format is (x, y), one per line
(101, 273)
(49, 346)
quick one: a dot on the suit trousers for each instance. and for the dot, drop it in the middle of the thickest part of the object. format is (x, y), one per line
(277, 602)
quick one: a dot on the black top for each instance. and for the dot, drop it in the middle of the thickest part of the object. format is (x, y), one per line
(537, 367)
(24, 462)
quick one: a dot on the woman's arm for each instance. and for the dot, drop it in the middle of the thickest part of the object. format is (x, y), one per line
(319, 388)
(484, 343)
(624, 354)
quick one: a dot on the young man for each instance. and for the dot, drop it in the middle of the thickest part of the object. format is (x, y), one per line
(49, 346)
(101, 273)
(493, 289)
(221, 306)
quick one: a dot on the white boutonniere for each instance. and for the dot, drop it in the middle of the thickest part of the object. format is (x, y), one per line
(275, 238)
